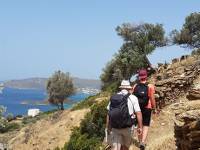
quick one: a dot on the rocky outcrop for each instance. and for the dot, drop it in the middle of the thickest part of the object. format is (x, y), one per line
(174, 80)
(187, 125)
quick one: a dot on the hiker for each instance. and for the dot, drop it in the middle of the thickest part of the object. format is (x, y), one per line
(122, 109)
(145, 94)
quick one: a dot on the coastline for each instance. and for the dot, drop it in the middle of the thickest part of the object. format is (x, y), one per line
(17, 102)
(45, 102)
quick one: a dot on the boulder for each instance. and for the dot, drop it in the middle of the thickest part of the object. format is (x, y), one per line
(175, 60)
(187, 125)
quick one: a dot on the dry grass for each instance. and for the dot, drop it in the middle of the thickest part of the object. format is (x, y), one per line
(48, 133)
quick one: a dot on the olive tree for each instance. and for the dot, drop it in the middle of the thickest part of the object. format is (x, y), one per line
(189, 35)
(138, 42)
(59, 87)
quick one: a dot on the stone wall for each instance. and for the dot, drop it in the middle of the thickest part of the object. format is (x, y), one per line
(187, 125)
(174, 80)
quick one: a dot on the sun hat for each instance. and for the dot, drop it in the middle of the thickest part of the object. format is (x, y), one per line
(125, 84)
(142, 74)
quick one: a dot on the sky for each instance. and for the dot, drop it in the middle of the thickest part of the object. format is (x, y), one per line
(38, 37)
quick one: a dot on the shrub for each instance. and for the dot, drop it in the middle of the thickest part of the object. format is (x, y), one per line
(90, 134)
(10, 117)
(196, 52)
(9, 127)
(94, 122)
(27, 120)
(85, 103)
(79, 141)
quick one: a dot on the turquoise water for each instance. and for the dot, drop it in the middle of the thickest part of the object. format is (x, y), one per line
(12, 99)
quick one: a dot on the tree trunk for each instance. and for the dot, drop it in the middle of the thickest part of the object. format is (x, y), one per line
(150, 68)
(61, 105)
(147, 61)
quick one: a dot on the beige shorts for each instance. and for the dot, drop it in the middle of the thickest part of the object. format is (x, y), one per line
(122, 137)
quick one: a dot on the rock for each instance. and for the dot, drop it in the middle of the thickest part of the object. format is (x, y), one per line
(162, 124)
(187, 125)
(159, 77)
(184, 57)
(160, 65)
(156, 96)
(175, 60)
(193, 94)
(189, 116)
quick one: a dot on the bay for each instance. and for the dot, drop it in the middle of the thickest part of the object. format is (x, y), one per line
(13, 100)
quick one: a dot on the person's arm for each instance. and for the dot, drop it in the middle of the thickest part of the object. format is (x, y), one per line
(138, 114)
(153, 102)
(139, 119)
(152, 98)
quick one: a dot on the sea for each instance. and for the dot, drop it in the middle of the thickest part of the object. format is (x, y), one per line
(18, 101)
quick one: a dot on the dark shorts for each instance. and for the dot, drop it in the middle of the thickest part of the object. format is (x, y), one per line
(146, 116)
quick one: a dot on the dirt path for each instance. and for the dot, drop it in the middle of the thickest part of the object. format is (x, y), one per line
(161, 133)
(48, 133)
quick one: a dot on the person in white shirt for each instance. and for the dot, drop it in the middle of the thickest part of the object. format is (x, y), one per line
(121, 137)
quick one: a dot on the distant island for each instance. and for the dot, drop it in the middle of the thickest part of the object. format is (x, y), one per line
(88, 86)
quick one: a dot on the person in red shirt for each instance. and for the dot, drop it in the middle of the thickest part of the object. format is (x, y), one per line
(147, 108)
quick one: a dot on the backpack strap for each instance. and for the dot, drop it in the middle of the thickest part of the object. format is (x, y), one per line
(142, 83)
(126, 96)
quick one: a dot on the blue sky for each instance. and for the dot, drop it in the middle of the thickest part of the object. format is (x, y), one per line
(40, 36)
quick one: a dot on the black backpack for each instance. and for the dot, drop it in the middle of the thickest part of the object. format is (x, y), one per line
(119, 114)
(141, 92)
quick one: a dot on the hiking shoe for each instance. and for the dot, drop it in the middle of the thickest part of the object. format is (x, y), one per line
(142, 146)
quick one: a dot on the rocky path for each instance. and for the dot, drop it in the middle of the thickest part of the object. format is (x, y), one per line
(161, 133)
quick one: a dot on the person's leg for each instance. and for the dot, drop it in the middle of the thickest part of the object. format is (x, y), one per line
(124, 147)
(144, 134)
(126, 138)
(117, 139)
(140, 137)
(146, 123)
(116, 146)
(143, 122)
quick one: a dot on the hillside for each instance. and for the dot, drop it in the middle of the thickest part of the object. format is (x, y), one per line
(173, 84)
(48, 133)
(40, 83)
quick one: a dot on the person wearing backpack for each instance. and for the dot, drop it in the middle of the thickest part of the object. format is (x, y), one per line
(122, 109)
(145, 94)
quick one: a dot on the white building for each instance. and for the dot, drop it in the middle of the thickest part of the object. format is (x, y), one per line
(33, 112)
